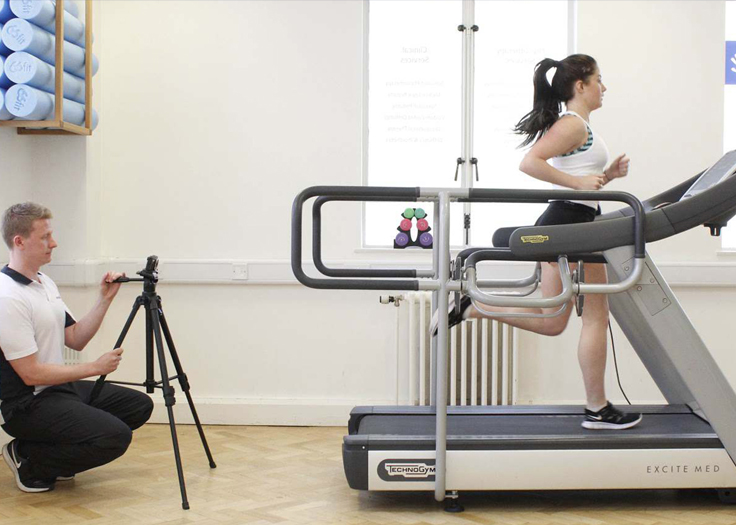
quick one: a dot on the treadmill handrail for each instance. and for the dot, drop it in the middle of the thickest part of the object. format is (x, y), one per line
(535, 240)
(358, 193)
(351, 272)
(398, 194)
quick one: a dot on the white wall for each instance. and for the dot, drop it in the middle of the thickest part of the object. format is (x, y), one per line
(210, 128)
(16, 164)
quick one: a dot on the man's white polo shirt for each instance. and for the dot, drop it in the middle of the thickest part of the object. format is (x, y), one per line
(32, 319)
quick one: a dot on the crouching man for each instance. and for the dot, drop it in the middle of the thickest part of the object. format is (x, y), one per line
(43, 404)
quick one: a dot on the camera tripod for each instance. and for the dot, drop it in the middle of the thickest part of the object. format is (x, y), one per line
(156, 325)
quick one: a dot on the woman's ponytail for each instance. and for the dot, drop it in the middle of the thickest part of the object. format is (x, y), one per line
(548, 98)
(546, 108)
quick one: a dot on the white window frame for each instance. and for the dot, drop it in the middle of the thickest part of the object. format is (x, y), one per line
(571, 48)
(730, 33)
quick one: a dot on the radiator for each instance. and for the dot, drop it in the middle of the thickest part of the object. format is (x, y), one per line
(72, 357)
(481, 359)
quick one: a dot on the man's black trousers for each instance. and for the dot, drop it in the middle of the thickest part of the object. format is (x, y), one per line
(62, 434)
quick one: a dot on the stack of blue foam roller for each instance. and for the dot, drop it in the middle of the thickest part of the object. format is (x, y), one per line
(28, 56)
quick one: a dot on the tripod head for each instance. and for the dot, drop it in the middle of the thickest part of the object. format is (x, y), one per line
(150, 272)
(149, 275)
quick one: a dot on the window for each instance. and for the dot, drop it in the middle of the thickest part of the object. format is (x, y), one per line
(729, 106)
(414, 102)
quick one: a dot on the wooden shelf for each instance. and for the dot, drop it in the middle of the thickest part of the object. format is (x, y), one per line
(57, 126)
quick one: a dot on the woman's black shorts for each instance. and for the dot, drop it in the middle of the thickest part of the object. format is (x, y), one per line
(565, 212)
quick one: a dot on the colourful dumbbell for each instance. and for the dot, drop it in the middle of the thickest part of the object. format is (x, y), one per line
(403, 238)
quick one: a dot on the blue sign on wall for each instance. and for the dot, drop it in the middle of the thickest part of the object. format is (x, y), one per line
(731, 62)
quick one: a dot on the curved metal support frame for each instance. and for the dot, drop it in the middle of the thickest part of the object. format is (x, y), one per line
(506, 315)
(523, 302)
(631, 280)
(473, 289)
(533, 280)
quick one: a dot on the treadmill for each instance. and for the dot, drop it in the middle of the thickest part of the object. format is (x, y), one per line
(688, 443)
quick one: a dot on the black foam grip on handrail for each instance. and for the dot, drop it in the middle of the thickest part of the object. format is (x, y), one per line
(517, 246)
(345, 272)
(346, 193)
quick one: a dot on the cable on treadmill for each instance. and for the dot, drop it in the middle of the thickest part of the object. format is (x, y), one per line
(615, 364)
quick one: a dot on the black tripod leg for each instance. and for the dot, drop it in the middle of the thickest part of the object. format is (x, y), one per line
(101, 381)
(168, 396)
(150, 380)
(184, 382)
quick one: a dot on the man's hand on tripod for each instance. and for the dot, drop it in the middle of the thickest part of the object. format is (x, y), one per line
(108, 288)
(109, 361)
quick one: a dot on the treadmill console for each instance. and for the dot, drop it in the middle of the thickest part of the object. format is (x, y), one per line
(718, 172)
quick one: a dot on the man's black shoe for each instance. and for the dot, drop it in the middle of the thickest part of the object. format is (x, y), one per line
(610, 418)
(19, 467)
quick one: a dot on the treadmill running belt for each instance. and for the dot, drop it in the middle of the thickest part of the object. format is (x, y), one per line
(532, 432)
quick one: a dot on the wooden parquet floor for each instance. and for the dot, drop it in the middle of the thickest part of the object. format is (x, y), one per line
(282, 475)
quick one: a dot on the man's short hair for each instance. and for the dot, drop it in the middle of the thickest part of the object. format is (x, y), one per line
(18, 220)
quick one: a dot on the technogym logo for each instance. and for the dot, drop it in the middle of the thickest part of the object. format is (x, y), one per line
(406, 470)
(534, 239)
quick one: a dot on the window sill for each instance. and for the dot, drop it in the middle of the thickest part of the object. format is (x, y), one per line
(380, 249)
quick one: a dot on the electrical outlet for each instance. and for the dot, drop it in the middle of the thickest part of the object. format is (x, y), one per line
(240, 272)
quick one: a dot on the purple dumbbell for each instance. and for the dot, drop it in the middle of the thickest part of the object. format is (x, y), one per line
(402, 239)
(426, 239)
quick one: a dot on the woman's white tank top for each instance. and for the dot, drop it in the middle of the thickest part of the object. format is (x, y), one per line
(589, 159)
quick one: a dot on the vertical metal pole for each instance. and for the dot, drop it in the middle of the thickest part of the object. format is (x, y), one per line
(442, 346)
(413, 354)
(463, 101)
(435, 295)
(572, 25)
(467, 109)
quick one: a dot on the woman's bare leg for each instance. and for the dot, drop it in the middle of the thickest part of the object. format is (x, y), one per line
(592, 348)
